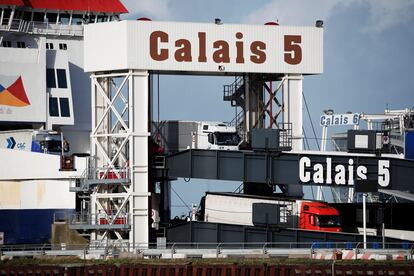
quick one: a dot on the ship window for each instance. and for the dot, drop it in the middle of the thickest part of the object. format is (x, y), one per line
(38, 17)
(64, 107)
(102, 18)
(18, 14)
(64, 18)
(92, 18)
(53, 107)
(76, 19)
(21, 44)
(50, 78)
(7, 44)
(51, 18)
(61, 76)
(49, 45)
(63, 46)
(6, 16)
(27, 16)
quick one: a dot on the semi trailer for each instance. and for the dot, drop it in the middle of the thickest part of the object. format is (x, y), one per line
(241, 209)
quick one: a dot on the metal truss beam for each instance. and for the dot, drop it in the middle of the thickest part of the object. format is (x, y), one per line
(119, 142)
(280, 168)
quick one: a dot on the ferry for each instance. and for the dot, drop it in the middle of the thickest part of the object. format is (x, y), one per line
(45, 112)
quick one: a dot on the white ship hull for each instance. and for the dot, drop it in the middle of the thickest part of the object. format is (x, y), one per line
(33, 193)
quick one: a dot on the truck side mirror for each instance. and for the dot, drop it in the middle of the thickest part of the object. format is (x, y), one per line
(312, 220)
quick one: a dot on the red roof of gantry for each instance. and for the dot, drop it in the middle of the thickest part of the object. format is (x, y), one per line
(71, 5)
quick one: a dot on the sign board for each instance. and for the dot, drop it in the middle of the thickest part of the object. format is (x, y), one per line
(197, 47)
(16, 140)
(339, 119)
(366, 186)
(331, 172)
(22, 85)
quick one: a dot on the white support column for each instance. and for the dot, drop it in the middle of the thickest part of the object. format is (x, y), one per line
(1, 16)
(93, 116)
(286, 104)
(364, 218)
(293, 104)
(99, 87)
(324, 138)
(138, 147)
(247, 115)
(319, 193)
(369, 124)
(350, 198)
(98, 113)
(11, 17)
(319, 189)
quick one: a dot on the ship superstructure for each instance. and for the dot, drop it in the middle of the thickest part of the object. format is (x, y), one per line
(42, 44)
(44, 94)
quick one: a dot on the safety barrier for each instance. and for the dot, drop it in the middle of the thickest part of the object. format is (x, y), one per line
(97, 250)
(213, 269)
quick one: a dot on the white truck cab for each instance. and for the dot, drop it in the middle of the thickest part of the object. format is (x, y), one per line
(216, 136)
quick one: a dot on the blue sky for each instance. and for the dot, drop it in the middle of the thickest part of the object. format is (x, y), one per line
(368, 58)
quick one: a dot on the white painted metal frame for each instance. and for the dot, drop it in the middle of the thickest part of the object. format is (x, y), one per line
(293, 105)
(121, 136)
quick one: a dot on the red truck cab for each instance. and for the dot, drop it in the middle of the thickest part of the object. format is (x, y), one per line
(319, 216)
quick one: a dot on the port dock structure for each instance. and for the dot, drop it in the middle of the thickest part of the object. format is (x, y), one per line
(293, 168)
(121, 56)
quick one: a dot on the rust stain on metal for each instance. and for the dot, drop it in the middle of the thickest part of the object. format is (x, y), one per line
(40, 191)
(10, 194)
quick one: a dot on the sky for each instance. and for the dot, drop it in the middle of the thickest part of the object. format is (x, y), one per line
(368, 59)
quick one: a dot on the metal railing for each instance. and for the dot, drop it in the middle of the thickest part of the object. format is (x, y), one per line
(232, 92)
(159, 162)
(125, 244)
(104, 173)
(169, 250)
(238, 119)
(32, 27)
(285, 136)
(230, 89)
(115, 217)
(94, 176)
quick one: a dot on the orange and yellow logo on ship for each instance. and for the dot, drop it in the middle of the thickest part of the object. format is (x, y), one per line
(14, 95)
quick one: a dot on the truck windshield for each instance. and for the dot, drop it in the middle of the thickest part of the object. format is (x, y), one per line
(227, 139)
(53, 146)
(328, 221)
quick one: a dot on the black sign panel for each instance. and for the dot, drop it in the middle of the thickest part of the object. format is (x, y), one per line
(366, 186)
